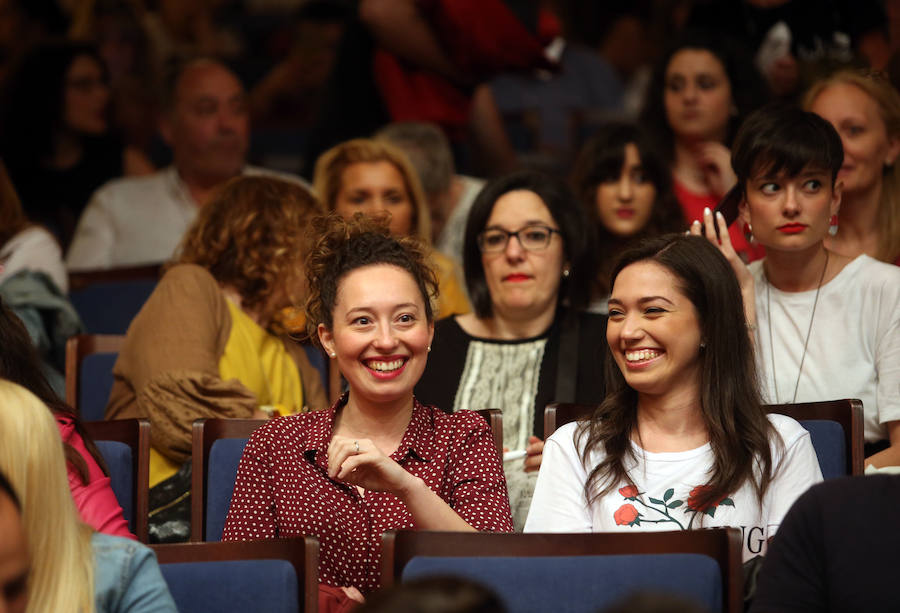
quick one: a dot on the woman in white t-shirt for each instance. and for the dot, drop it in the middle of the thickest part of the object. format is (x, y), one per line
(828, 324)
(681, 440)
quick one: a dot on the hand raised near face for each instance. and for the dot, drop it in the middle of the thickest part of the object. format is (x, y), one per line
(715, 161)
(360, 462)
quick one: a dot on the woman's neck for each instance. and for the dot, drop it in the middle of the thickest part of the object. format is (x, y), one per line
(686, 167)
(67, 152)
(384, 423)
(858, 229)
(670, 422)
(801, 271)
(508, 327)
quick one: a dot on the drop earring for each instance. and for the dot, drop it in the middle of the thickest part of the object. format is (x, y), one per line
(833, 225)
(748, 233)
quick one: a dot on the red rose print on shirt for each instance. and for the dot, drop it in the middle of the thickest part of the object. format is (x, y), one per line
(627, 515)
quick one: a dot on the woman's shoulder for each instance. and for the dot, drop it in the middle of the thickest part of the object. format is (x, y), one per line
(788, 428)
(188, 272)
(293, 429)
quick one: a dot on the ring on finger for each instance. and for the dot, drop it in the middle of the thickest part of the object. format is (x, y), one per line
(357, 446)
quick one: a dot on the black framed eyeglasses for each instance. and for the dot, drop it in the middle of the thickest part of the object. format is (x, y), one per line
(532, 238)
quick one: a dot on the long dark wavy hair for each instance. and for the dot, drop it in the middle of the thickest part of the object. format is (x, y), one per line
(601, 160)
(748, 89)
(739, 431)
(21, 364)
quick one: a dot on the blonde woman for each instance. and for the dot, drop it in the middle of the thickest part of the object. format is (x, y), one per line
(73, 568)
(864, 108)
(376, 178)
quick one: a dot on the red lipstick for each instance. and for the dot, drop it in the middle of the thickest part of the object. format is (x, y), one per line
(625, 213)
(516, 277)
(792, 228)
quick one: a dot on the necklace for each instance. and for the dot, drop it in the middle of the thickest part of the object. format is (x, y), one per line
(805, 342)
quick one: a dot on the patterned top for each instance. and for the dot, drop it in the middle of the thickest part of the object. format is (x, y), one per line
(283, 489)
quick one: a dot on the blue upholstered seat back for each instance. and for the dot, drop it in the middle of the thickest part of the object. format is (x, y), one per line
(108, 307)
(95, 380)
(120, 462)
(234, 586)
(831, 447)
(580, 584)
(224, 457)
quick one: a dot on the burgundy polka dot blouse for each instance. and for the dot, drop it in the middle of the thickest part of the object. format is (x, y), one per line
(283, 489)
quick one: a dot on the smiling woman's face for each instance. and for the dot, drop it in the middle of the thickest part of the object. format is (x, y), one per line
(654, 331)
(380, 333)
(523, 283)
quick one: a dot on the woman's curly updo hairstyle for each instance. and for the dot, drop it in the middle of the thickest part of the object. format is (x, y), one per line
(343, 246)
(253, 236)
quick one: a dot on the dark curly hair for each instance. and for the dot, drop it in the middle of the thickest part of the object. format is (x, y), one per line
(343, 246)
(253, 236)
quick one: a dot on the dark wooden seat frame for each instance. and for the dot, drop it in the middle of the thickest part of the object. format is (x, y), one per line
(136, 434)
(847, 412)
(301, 552)
(77, 349)
(80, 279)
(722, 544)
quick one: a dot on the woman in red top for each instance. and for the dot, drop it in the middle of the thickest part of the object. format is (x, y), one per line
(700, 91)
(378, 459)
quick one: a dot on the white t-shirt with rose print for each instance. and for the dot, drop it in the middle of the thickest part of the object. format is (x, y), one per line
(665, 485)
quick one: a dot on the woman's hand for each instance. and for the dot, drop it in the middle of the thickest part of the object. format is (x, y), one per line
(534, 452)
(715, 161)
(360, 462)
(723, 243)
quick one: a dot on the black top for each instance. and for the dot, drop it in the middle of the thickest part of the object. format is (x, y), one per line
(447, 360)
(836, 550)
(55, 197)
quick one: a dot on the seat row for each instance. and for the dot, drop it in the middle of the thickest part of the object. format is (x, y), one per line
(529, 572)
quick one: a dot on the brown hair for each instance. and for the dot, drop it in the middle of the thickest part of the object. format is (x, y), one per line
(331, 165)
(12, 216)
(877, 86)
(343, 246)
(253, 236)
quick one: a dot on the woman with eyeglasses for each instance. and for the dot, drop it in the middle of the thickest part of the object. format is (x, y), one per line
(528, 258)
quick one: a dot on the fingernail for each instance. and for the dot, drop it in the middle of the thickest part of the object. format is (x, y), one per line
(719, 215)
(696, 222)
(706, 211)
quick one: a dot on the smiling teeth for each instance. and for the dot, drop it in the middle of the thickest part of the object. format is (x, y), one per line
(386, 366)
(643, 354)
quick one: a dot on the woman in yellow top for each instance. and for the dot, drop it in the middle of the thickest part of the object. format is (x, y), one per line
(210, 341)
(375, 177)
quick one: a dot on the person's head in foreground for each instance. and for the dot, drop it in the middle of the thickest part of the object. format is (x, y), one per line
(14, 557)
(31, 455)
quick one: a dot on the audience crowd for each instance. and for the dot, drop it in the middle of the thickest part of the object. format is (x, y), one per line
(668, 213)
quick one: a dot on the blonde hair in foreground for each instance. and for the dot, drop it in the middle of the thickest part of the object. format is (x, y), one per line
(31, 455)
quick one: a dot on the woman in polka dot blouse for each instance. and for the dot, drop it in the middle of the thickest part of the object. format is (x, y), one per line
(378, 459)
